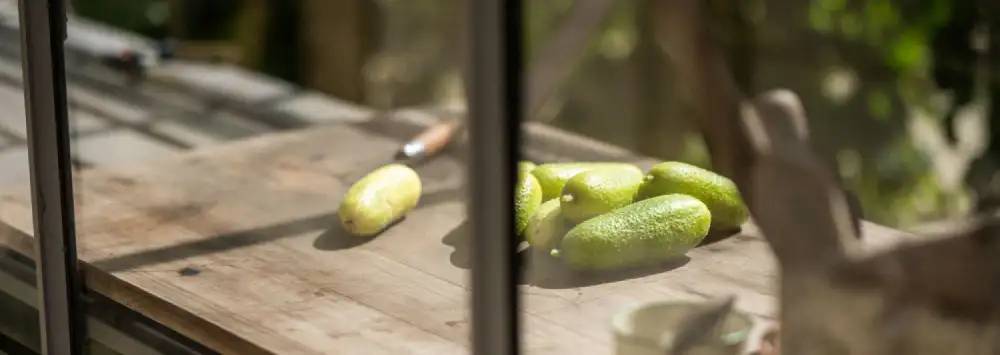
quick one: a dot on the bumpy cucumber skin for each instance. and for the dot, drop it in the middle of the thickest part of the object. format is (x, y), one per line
(643, 233)
(717, 192)
(379, 199)
(598, 191)
(553, 176)
(547, 226)
(527, 198)
(526, 166)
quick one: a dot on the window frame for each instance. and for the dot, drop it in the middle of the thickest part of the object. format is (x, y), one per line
(43, 31)
(495, 114)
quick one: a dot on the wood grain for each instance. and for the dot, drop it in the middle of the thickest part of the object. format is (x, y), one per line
(236, 246)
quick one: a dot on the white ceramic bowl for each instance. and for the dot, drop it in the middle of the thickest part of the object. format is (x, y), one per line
(649, 329)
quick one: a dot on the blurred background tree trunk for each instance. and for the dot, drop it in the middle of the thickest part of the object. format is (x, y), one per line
(336, 39)
(658, 114)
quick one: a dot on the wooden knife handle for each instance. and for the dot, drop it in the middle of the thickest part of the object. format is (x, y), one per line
(437, 137)
(430, 141)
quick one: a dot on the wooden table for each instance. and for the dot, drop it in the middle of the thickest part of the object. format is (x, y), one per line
(238, 247)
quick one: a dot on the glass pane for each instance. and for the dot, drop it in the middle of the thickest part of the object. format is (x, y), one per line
(215, 143)
(19, 326)
(895, 98)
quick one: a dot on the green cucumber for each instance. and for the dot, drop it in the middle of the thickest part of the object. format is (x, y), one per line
(553, 176)
(717, 192)
(646, 232)
(547, 226)
(527, 198)
(598, 191)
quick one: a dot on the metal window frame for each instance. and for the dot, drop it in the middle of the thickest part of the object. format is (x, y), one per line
(495, 111)
(43, 31)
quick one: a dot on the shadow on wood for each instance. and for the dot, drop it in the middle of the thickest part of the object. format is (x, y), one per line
(715, 235)
(217, 244)
(544, 271)
(458, 239)
(336, 237)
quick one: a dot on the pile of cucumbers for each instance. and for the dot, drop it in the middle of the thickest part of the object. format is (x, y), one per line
(593, 216)
(602, 216)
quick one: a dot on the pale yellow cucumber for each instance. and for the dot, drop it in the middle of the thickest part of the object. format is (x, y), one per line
(380, 198)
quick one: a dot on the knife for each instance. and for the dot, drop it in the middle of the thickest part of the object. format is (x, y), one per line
(429, 142)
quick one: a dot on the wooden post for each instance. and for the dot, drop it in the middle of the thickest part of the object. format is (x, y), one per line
(336, 41)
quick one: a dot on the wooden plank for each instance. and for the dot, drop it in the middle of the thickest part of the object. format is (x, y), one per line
(237, 246)
(318, 108)
(215, 81)
(119, 146)
(14, 165)
(108, 105)
(12, 118)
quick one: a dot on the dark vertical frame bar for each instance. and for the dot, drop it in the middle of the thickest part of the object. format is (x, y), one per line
(494, 119)
(43, 30)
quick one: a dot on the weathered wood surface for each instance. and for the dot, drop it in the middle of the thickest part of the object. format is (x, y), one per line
(237, 247)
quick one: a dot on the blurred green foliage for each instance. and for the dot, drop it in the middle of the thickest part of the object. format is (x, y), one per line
(144, 16)
(889, 44)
